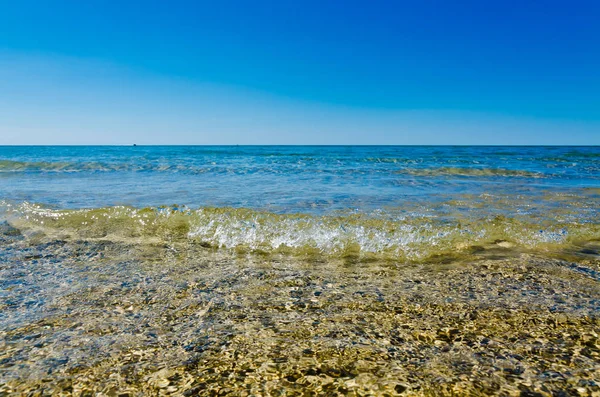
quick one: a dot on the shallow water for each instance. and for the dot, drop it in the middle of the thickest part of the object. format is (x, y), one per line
(298, 270)
(290, 179)
(385, 202)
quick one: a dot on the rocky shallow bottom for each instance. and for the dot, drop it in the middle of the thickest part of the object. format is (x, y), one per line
(123, 319)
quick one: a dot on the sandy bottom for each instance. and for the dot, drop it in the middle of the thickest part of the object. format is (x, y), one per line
(82, 318)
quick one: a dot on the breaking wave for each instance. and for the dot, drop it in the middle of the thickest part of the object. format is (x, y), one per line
(353, 234)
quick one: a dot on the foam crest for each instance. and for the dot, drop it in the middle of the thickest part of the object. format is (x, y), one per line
(353, 234)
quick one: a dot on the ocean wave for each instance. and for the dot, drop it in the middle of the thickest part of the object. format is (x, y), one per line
(10, 165)
(415, 238)
(72, 167)
(58, 166)
(470, 172)
(212, 167)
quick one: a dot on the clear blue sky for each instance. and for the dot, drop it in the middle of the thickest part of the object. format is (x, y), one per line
(299, 72)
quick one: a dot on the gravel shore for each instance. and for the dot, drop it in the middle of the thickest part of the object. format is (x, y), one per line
(107, 318)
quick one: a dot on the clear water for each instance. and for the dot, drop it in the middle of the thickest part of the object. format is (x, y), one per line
(289, 179)
(386, 202)
(299, 271)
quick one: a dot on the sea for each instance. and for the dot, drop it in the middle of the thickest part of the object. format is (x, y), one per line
(397, 202)
(274, 270)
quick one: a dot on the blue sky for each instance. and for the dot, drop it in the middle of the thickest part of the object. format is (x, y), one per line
(299, 72)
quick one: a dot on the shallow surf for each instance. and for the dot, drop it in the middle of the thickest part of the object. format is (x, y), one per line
(299, 270)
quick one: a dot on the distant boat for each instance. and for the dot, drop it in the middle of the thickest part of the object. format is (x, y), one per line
(134, 144)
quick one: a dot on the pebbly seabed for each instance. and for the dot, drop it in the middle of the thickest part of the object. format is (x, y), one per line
(109, 318)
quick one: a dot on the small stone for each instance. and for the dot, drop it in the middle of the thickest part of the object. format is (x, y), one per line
(561, 318)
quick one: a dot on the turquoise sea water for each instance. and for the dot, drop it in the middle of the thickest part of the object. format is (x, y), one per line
(313, 179)
(402, 201)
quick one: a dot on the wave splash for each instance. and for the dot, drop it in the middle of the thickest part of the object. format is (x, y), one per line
(355, 234)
